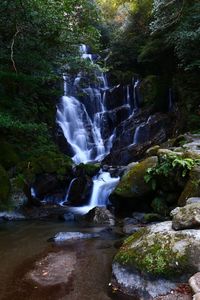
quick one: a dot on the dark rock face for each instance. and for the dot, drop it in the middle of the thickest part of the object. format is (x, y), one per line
(80, 191)
(146, 130)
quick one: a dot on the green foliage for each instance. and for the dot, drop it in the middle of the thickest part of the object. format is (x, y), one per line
(39, 35)
(169, 164)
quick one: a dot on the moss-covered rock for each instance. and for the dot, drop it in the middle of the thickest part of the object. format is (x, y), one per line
(4, 188)
(87, 169)
(51, 163)
(8, 156)
(159, 250)
(132, 184)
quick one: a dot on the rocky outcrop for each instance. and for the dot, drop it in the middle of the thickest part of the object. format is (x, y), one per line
(132, 188)
(149, 131)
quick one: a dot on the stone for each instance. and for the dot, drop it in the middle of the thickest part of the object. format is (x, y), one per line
(152, 151)
(162, 152)
(194, 283)
(130, 228)
(11, 216)
(100, 215)
(156, 258)
(54, 269)
(132, 185)
(70, 236)
(193, 200)
(186, 217)
(196, 296)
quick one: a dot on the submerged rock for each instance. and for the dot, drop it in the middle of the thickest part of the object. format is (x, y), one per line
(54, 269)
(11, 216)
(69, 236)
(156, 258)
(186, 217)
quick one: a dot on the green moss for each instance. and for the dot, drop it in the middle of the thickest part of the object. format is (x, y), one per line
(88, 169)
(4, 188)
(132, 184)
(52, 162)
(155, 257)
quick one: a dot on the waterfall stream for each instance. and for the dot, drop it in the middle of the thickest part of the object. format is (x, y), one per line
(86, 122)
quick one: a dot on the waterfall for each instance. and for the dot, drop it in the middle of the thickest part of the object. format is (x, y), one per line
(81, 120)
(85, 117)
(103, 185)
(67, 193)
(141, 134)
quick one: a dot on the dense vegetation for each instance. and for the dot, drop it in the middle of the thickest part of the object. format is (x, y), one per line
(158, 39)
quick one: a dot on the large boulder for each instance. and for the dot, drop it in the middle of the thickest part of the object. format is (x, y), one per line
(186, 217)
(156, 258)
(132, 186)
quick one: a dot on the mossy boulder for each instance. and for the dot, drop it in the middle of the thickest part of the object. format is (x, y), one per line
(50, 163)
(4, 188)
(155, 257)
(132, 186)
(132, 183)
(8, 156)
(192, 187)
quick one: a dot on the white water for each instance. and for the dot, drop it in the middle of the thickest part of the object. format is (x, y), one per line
(81, 130)
(103, 185)
(82, 121)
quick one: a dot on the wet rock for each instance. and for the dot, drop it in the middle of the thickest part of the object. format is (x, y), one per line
(80, 191)
(132, 185)
(156, 258)
(193, 200)
(45, 184)
(11, 216)
(70, 236)
(130, 228)
(68, 217)
(100, 215)
(54, 269)
(186, 217)
(194, 283)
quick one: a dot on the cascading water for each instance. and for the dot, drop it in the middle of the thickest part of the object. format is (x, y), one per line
(82, 122)
(103, 185)
(85, 122)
